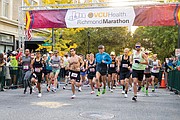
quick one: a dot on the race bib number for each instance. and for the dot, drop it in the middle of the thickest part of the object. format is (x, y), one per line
(125, 65)
(92, 69)
(56, 65)
(112, 65)
(74, 75)
(25, 67)
(38, 70)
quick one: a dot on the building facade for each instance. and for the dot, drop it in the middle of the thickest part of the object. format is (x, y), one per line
(9, 24)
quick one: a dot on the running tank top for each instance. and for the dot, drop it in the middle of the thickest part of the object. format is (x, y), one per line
(155, 69)
(137, 66)
(124, 64)
(26, 61)
(37, 66)
(148, 67)
(112, 66)
(56, 63)
(91, 69)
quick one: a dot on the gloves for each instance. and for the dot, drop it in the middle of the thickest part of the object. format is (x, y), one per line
(136, 61)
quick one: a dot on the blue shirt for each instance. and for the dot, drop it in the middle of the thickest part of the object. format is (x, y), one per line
(48, 67)
(104, 56)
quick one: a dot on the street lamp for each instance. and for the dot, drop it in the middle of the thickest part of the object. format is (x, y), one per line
(88, 34)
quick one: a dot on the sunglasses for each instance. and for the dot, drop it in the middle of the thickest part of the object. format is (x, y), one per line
(138, 46)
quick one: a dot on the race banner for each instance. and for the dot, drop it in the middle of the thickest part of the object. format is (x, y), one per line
(152, 15)
(100, 17)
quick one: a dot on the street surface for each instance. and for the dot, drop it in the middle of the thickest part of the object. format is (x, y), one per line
(161, 105)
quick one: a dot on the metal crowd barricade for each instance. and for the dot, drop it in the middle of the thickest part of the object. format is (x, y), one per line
(11, 77)
(174, 80)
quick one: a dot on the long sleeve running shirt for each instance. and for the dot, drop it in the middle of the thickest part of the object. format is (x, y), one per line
(104, 56)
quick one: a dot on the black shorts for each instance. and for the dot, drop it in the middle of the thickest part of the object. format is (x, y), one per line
(66, 72)
(75, 75)
(91, 75)
(112, 71)
(39, 77)
(138, 74)
(124, 75)
(156, 75)
(102, 70)
(47, 72)
(147, 75)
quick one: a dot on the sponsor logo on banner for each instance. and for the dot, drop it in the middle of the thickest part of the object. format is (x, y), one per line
(100, 17)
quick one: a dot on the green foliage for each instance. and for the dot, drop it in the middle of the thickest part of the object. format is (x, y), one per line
(160, 40)
(114, 39)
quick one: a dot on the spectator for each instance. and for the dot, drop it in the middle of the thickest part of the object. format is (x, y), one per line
(178, 63)
(2, 65)
(14, 68)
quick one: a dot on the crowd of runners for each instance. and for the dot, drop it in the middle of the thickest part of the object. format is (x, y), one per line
(102, 71)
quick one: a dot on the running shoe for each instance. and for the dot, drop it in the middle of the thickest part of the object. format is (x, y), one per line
(54, 90)
(153, 90)
(25, 92)
(92, 92)
(104, 91)
(143, 88)
(80, 89)
(125, 95)
(123, 92)
(146, 92)
(64, 87)
(111, 90)
(130, 89)
(73, 96)
(39, 95)
(98, 93)
(134, 98)
(48, 89)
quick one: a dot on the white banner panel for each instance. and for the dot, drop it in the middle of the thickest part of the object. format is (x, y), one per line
(100, 17)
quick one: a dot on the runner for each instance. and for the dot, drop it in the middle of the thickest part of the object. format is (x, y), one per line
(48, 70)
(112, 71)
(56, 63)
(125, 65)
(37, 65)
(102, 59)
(26, 62)
(155, 70)
(139, 59)
(147, 73)
(74, 67)
(91, 71)
(66, 58)
(82, 73)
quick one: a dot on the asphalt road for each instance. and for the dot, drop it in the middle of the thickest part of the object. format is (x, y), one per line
(161, 105)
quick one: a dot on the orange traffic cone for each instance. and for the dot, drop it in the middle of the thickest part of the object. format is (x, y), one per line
(163, 85)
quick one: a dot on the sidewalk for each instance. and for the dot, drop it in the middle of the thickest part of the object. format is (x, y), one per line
(161, 105)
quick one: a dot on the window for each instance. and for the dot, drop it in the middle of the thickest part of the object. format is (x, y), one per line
(6, 8)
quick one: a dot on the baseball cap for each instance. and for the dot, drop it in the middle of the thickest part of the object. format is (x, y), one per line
(50, 52)
(101, 47)
(112, 53)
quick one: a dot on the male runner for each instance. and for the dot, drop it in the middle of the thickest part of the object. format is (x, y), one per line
(102, 60)
(139, 59)
(74, 69)
(125, 65)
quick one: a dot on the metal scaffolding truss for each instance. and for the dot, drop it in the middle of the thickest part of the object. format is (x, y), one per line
(24, 9)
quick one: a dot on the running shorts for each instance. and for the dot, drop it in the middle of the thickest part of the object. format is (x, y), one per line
(138, 74)
(124, 75)
(75, 75)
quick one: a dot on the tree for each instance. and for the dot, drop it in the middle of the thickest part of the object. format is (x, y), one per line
(161, 40)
